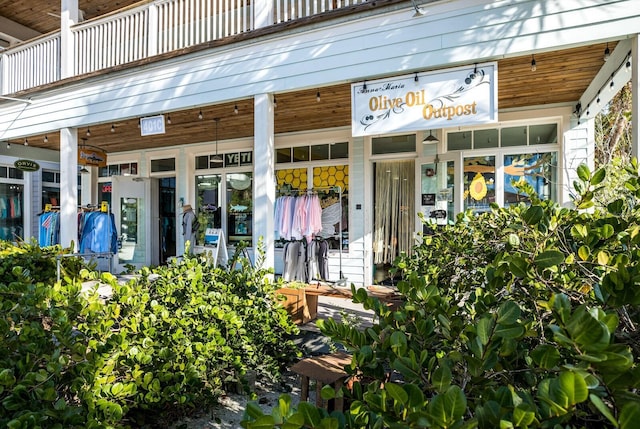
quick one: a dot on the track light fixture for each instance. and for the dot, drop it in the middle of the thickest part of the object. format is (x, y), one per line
(533, 63)
(607, 52)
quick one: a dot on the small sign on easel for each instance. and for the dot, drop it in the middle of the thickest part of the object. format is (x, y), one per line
(214, 242)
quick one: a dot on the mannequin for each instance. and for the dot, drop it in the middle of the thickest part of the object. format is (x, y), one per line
(189, 227)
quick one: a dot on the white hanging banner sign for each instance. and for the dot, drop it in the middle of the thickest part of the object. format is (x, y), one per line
(422, 101)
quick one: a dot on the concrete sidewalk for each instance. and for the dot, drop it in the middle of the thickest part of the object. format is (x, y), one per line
(312, 342)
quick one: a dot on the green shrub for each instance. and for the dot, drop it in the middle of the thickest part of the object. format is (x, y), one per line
(166, 343)
(521, 317)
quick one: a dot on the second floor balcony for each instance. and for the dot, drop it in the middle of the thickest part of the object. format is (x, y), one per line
(145, 30)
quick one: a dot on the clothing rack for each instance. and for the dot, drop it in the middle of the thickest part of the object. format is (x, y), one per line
(287, 190)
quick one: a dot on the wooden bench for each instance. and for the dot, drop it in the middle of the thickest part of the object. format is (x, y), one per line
(324, 370)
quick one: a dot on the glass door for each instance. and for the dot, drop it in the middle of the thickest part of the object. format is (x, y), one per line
(135, 209)
(437, 191)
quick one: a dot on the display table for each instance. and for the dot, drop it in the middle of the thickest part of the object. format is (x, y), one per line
(302, 302)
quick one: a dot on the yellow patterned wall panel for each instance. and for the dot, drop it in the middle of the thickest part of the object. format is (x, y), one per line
(334, 175)
(294, 177)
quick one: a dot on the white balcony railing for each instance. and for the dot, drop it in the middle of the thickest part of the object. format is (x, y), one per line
(31, 64)
(137, 33)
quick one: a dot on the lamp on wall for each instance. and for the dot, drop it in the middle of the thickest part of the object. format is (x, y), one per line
(430, 138)
(217, 158)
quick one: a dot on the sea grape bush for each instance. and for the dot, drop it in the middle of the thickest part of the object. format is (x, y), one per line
(520, 317)
(165, 343)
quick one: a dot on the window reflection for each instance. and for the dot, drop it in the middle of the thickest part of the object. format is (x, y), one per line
(538, 170)
(239, 207)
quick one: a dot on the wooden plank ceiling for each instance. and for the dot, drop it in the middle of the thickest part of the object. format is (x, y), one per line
(561, 78)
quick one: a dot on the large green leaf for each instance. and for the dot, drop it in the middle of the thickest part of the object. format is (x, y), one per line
(447, 408)
(630, 415)
(311, 414)
(546, 356)
(484, 329)
(549, 258)
(569, 389)
(588, 332)
(509, 332)
(399, 343)
(518, 266)
(600, 405)
(441, 378)
(508, 313)
(533, 215)
(523, 415)
(598, 176)
(583, 172)
(397, 393)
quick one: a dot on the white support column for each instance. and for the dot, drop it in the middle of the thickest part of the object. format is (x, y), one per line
(635, 94)
(263, 10)
(68, 18)
(69, 187)
(264, 180)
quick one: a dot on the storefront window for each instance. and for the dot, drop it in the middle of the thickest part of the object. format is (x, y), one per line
(479, 183)
(331, 183)
(161, 165)
(539, 170)
(11, 214)
(51, 188)
(239, 207)
(128, 168)
(209, 208)
(393, 144)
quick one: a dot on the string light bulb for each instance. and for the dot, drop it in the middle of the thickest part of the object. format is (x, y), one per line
(533, 63)
(275, 103)
(113, 128)
(200, 115)
(168, 119)
(318, 96)
(88, 132)
(8, 145)
(607, 52)
(26, 142)
(235, 109)
(46, 139)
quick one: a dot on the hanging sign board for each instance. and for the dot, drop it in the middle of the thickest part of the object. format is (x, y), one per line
(26, 165)
(92, 156)
(152, 125)
(422, 101)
